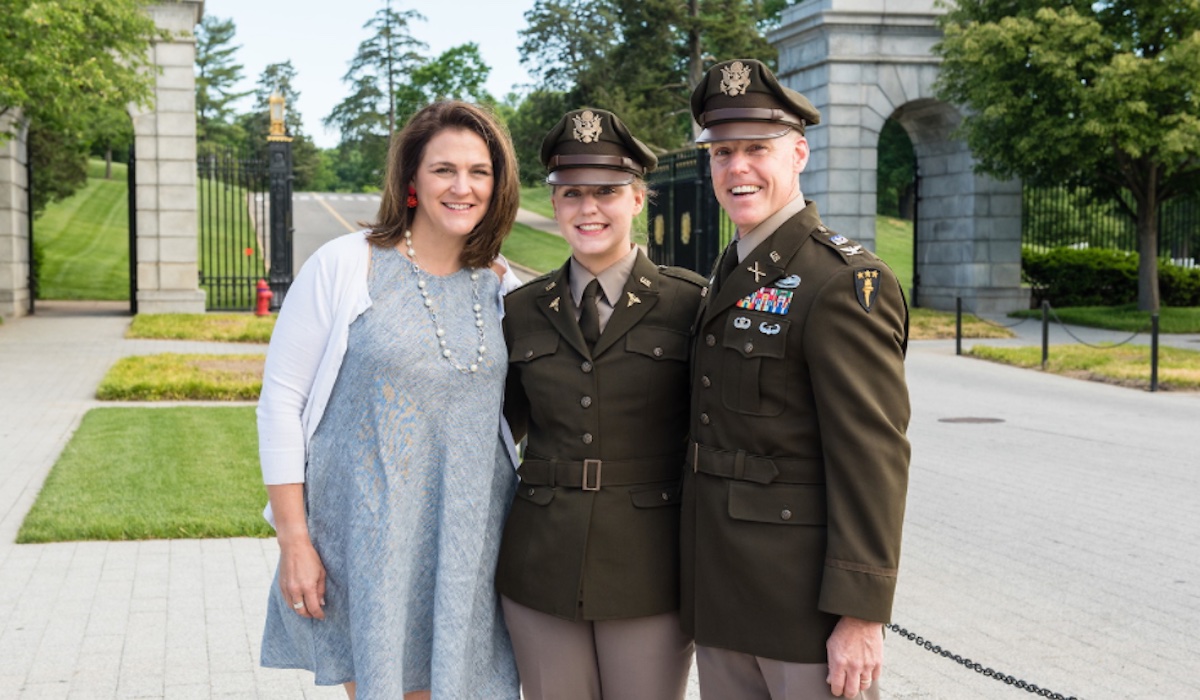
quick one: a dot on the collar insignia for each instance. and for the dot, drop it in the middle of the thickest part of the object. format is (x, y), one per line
(551, 286)
(864, 287)
(644, 281)
(775, 256)
(554, 304)
(587, 127)
(735, 79)
(632, 300)
(758, 272)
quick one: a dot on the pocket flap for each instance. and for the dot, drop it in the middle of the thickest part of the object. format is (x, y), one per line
(755, 334)
(655, 496)
(783, 504)
(658, 343)
(532, 346)
(538, 495)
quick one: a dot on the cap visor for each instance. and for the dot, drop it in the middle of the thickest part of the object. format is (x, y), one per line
(589, 176)
(742, 131)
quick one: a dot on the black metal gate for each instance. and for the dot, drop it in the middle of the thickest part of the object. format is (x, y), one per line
(686, 225)
(239, 200)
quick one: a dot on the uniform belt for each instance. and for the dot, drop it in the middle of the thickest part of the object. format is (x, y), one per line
(740, 465)
(591, 474)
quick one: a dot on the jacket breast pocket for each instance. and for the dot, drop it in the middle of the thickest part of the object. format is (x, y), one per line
(537, 495)
(780, 504)
(754, 370)
(658, 343)
(533, 346)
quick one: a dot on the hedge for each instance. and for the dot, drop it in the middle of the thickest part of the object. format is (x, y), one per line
(1100, 277)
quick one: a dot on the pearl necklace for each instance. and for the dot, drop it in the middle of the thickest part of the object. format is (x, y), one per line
(433, 316)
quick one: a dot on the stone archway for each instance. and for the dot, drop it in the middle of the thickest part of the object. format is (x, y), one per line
(862, 62)
(165, 147)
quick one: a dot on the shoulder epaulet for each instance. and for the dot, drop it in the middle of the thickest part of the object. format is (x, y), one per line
(850, 251)
(535, 281)
(682, 273)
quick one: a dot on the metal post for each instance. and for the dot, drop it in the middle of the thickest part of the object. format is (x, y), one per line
(279, 155)
(131, 184)
(1154, 352)
(957, 325)
(1045, 333)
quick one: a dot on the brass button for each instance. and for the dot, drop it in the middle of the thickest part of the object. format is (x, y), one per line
(530, 492)
(704, 418)
(666, 496)
(786, 514)
(658, 352)
(585, 401)
(587, 438)
(749, 347)
(586, 367)
(705, 381)
(528, 354)
(710, 340)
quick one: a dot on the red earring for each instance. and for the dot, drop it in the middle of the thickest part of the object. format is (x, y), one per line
(412, 197)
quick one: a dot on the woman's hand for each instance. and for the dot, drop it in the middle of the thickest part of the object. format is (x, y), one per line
(302, 577)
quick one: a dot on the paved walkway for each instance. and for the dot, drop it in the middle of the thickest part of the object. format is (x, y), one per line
(1058, 544)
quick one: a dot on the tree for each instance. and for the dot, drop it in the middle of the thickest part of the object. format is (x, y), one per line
(256, 124)
(217, 72)
(1099, 94)
(533, 119)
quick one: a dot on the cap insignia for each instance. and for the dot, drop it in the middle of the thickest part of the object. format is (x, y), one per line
(864, 287)
(587, 127)
(736, 78)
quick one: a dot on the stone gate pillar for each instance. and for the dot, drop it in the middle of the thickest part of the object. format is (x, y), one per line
(14, 221)
(165, 147)
(862, 62)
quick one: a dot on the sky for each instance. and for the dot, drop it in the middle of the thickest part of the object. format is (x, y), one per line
(320, 38)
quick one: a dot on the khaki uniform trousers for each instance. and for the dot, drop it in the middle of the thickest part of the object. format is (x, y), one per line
(732, 675)
(640, 658)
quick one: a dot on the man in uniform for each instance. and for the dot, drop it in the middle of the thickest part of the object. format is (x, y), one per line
(794, 497)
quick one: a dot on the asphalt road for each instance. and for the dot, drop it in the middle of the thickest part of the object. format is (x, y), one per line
(320, 216)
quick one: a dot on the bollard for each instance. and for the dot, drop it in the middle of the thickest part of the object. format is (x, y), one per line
(1045, 333)
(958, 326)
(1154, 352)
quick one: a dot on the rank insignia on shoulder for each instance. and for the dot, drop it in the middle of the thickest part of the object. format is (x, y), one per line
(852, 250)
(864, 287)
(768, 299)
(789, 282)
(839, 239)
(554, 304)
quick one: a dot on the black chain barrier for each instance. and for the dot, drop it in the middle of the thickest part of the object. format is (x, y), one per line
(1014, 324)
(1067, 328)
(978, 667)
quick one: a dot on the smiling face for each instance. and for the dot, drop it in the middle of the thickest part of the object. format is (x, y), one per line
(454, 183)
(755, 178)
(596, 220)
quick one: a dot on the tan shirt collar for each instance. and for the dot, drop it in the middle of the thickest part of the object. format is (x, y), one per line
(612, 282)
(750, 240)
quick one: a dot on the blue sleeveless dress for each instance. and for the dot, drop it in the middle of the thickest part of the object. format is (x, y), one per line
(408, 485)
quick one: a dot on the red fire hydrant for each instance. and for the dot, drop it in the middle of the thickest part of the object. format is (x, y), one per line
(264, 299)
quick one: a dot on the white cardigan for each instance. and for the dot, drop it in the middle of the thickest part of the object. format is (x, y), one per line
(306, 351)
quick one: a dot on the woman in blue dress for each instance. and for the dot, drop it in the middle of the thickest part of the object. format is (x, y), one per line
(388, 466)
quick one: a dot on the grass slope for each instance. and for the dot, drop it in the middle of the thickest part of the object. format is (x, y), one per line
(84, 240)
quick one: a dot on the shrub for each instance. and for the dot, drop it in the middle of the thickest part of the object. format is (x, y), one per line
(1101, 277)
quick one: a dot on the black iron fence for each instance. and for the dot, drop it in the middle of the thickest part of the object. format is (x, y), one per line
(1066, 216)
(686, 225)
(239, 199)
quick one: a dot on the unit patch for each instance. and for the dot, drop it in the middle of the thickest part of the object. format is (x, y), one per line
(864, 287)
(768, 299)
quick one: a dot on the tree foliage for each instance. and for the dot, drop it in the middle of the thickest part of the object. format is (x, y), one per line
(217, 75)
(1095, 93)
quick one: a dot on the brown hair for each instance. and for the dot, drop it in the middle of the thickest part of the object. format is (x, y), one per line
(404, 157)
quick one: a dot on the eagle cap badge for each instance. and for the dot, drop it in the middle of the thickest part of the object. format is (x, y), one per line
(735, 78)
(587, 127)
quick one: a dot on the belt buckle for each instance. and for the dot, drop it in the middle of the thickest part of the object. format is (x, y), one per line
(587, 465)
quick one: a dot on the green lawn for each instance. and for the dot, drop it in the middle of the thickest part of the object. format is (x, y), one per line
(1125, 365)
(893, 243)
(84, 240)
(175, 377)
(231, 257)
(1124, 318)
(153, 473)
(537, 250)
(228, 328)
(537, 200)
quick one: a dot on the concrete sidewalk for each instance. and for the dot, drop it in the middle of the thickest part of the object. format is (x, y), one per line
(1057, 544)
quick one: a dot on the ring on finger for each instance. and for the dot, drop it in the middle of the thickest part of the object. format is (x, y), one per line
(298, 605)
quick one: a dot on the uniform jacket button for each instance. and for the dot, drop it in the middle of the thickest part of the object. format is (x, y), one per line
(528, 354)
(586, 367)
(786, 514)
(666, 496)
(704, 418)
(749, 347)
(530, 492)
(658, 352)
(587, 438)
(705, 381)
(710, 340)
(585, 401)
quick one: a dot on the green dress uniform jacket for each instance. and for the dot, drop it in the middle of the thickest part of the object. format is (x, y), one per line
(594, 529)
(794, 493)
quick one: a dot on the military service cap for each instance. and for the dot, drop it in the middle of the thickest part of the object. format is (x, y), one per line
(743, 99)
(593, 147)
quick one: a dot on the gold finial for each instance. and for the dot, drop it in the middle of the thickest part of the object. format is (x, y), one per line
(278, 131)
